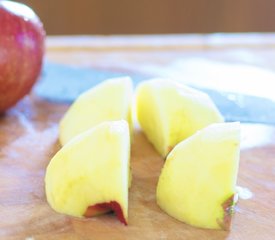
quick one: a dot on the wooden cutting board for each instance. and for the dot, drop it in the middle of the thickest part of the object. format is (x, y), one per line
(29, 132)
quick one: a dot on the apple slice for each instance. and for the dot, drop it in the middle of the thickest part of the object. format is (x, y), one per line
(107, 101)
(197, 184)
(169, 112)
(89, 175)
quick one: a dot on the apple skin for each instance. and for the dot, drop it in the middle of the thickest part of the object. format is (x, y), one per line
(102, 208)
(22, 38)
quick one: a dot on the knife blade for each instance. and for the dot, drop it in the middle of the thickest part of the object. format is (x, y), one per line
(63, 84)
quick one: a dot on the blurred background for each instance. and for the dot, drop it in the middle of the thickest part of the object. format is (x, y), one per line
(154, 16)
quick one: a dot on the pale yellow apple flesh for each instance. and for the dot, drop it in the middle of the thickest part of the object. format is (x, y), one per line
(198, 181)
(108, 101)
(90, 174)
(169, 112)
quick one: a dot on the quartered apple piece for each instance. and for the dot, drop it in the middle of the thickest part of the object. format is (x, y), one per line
(197, 182)
(89, 175)
(169, 112)
(107, 101)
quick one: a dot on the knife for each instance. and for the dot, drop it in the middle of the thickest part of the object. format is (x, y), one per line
(63, 84)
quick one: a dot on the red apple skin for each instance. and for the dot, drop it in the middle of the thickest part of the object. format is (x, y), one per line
(102, 208)
(21, 52)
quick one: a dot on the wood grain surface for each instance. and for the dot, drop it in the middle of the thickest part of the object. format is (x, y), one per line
(28, 140)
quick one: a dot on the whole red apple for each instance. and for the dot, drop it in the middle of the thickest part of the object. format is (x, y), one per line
(21, 51)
